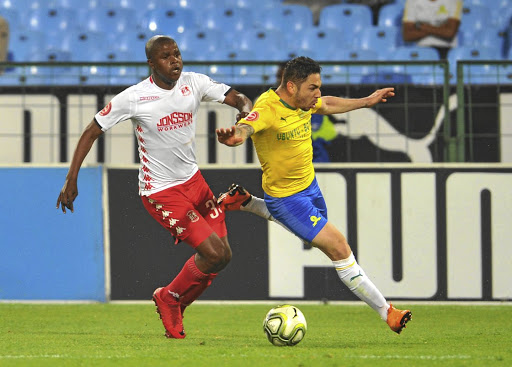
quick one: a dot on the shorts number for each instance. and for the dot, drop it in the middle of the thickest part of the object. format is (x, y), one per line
(216, 210)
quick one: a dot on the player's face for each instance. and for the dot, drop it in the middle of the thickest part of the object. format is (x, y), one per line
(166, 64)
(308, 93)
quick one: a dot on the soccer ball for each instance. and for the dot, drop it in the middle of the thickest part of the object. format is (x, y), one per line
(285, 325)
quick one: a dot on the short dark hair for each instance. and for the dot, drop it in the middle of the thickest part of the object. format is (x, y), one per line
(298, 69)
(155, 42)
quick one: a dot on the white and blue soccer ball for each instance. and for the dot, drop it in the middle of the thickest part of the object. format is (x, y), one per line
(285, 325)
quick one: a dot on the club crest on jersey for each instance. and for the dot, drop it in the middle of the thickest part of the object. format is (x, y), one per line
(192, 216)
(185, 90)
(106, 110)
(253, 116)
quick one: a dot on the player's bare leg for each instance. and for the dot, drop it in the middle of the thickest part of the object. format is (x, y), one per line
(334, 244)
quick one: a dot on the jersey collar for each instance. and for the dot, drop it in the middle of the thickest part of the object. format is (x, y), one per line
(273, 90)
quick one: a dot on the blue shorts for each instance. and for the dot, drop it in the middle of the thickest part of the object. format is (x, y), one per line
(303, 213)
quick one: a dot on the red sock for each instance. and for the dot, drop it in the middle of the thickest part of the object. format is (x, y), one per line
(188, 285)
(194, 292)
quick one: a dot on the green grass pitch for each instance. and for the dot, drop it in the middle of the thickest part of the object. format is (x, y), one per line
(231, 335)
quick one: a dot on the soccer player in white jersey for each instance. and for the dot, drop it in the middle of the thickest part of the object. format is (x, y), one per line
(163, 109)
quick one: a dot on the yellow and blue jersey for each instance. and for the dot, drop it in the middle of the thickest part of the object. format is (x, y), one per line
(282, 139)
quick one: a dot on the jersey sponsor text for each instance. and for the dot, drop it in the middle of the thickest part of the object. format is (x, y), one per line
(174, 121)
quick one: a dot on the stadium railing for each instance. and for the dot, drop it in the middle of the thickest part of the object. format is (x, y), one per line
(423, 88)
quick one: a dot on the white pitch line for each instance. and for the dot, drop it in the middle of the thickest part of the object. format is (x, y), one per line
(364, 356)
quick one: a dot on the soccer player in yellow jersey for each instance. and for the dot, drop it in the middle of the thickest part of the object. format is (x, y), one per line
(280, 127)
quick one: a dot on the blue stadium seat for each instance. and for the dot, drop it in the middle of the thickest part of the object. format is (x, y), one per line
(350, 73)
(85, 45)
(474, 19)
(111, 21)
(50, 75)
(505, 74)
(476, 74)
(22, 6)
(52, 21)
(229, 20)
(23, 44)
(492, 38)
(134, 42)
(349, 18)
(110, 4)
(287, 18)
(379, 38)
(322, 41)
(265, 44)
(233, 54)
(169, 21)
(501, 15)
(248, 75)
(202, 41)
(13, 17)
(390, 15)
(421, 74)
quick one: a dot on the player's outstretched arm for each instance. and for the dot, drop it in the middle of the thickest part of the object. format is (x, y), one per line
(332, 105)
(239, 101)
(69, 191)
(235, 135)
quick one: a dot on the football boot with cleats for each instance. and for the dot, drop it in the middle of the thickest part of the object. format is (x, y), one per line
(234, 198)
(170, 314)
(397, 318)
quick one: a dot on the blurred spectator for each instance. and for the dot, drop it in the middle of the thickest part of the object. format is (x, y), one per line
(4, 40)
(375, 5)
(315, 6)
(432, 23)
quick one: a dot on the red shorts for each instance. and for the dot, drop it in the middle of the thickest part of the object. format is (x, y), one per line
(189, 211)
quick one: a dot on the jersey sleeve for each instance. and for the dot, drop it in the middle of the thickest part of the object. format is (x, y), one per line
(213, 91)
(120, 108)
(260, 118)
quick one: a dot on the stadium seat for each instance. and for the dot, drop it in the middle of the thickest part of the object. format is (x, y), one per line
(287, 18)
(474, 19)
(84, 45)
(349, 73)
(229, 20)
(501, 15)
(111, 4)
(202, 41)
(13, 17)
(348, 18)
(233, 54)
(110, 21)
(265, 44)
(168, 20)
(52, 21)
(491, 38)
(421, 74)
(378, 38)
(23, 44)
(134, 42)
(505, 74)
(322, 41)
(476, 74)
(22, 6)
(50, 75)
(390, 15)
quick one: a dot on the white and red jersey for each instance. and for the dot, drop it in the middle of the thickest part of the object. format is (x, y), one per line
(164, 122)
